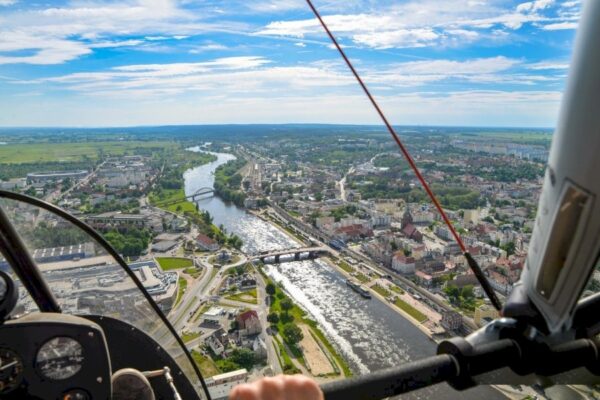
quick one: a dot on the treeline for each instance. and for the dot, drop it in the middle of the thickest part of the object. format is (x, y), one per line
(204, 221)
(228, 181)
(511, 172)
(44, 235)
(176, 163)
(451, 197)
(9, 171)
(130, 242)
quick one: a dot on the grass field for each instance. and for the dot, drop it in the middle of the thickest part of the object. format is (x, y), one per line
(193, 272)
(346, 267)
(175, 196)
(244, 297)
(181, 289)
(396, 289)
(362, 278)
(206, 365)
(410, 310)
(381, 290)
(28, 153)
(170, 263)
(189, 336)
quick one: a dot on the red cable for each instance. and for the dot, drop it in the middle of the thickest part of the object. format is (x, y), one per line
(392, 132)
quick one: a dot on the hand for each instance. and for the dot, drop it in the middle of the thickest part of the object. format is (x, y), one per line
(281, 387)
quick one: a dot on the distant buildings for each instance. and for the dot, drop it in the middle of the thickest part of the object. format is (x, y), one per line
(12, 184)
(55, 176)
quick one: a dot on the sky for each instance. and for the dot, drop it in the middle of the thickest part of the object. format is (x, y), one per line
(162, 62)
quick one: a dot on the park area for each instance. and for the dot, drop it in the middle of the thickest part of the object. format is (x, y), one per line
(171, 263)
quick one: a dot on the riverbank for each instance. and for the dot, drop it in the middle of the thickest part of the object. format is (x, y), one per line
(298, 316)
(411, 316)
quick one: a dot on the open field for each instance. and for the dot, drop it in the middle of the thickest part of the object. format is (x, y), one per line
(246, 297)
(206, 365)
(410, 310)
(29, 153)
(169, 263)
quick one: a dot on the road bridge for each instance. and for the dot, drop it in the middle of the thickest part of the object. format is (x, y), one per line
(194, 196)
(313, 252)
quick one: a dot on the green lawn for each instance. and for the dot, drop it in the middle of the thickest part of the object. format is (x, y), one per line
(182, 285)
(170, 196)
(206, 365)
(243, 297)
(396, 289)
(346, 267)
(76, 151)
(170, 263)
(189, 336)
(193, 272)
(288, 366)
(381, 290)
(362, 278)
(410, 310)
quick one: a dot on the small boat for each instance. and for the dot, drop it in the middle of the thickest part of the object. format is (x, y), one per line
(358, 289)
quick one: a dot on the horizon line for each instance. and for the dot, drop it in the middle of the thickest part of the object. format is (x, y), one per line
(265, 124)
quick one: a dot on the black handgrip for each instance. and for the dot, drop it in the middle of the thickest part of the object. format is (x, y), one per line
(393, 381)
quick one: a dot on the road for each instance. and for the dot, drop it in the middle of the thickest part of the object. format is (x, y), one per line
(201, 290)
(272, 357)
(82, 182)
(342, 184)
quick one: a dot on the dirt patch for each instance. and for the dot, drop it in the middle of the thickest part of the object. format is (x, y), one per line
(316, 360)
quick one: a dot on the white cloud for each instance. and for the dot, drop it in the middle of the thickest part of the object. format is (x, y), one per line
(232, 76)
(426, 23)
(545, 65)
(400, 38)
(45, 50)
(112, 44)
(7, 2)
(67, 32)
(560, 26)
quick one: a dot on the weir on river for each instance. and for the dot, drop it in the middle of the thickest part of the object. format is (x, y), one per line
(368, 333)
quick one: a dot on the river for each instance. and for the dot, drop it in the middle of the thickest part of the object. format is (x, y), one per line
(368, 333)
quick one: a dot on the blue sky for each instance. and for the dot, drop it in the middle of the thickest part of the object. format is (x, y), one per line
(151, 62)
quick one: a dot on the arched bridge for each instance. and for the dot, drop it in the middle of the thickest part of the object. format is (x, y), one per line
(194, 196)
(313, 252)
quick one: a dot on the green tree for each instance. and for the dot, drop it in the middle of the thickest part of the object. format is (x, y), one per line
(292, 333)
(467, 292)
(270, 289)
(286, 305)
(273, 318)
(227, 365)
(243, 357)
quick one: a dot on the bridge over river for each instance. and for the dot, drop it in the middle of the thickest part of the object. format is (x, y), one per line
(313, 252)
(200, 193)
